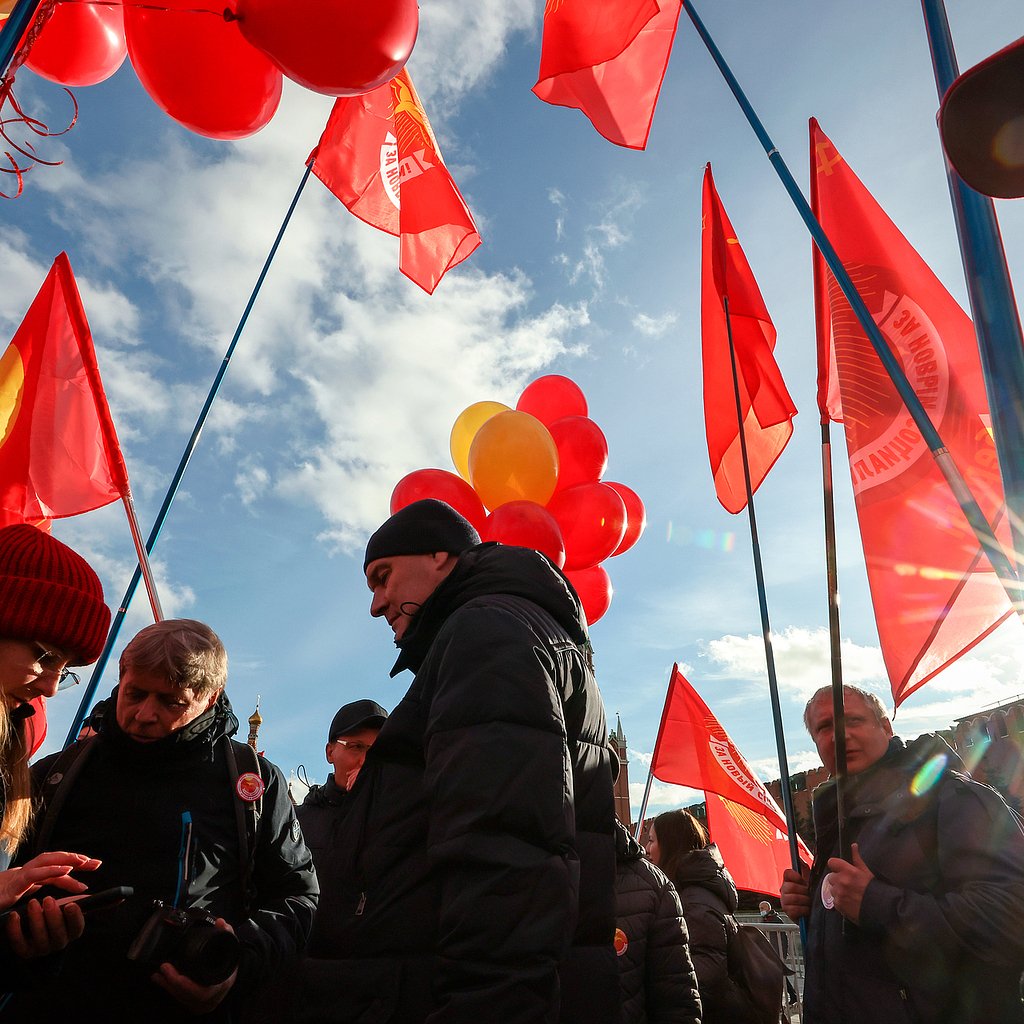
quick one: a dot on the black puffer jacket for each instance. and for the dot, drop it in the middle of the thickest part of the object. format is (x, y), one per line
(941, 932)
(125, 805)
(480, 842)
(655, 972)
(709, 899)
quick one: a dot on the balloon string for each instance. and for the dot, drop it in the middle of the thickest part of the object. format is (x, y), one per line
(25, 148)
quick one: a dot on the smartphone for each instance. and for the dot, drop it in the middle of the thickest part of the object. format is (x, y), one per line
(87, 901)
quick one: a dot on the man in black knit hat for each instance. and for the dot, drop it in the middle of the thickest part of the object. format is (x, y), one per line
(478, 858)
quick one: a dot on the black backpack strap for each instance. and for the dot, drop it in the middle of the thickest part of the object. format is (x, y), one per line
(247, 813)
(55, 787)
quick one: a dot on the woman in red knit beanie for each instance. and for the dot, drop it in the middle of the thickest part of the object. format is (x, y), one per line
(52, 616)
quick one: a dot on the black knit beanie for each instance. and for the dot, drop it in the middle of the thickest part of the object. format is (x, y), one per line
(50, 594)
(421, 529)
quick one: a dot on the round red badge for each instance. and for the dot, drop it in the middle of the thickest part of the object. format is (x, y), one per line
(621, 942)
(249, 787)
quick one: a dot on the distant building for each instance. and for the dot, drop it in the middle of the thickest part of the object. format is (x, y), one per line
(617, 741)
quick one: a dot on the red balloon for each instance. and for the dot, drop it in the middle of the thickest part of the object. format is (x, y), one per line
(337, 47)
(200, 71)
(636, 516)
(582, 451)
(527, 525)
(445, 486)
(595, 590)
(80, 44)
(592, 518)
(551, 397)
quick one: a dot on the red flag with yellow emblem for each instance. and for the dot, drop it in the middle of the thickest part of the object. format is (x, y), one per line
(766, 408)
(378, 155)
(59, 454)
(694, 750)
(607, 58)
(934, 594)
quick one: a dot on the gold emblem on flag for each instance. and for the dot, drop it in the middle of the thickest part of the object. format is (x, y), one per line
(12, 380)
(551, 6)
(755, 825)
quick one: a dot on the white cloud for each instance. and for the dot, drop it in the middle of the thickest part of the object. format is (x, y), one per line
(654, 326)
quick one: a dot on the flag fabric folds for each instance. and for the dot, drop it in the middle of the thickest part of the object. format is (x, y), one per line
(767, 409)
(749, 827)
(607, 58)
(934, 593)
(378, 155)
(59, 454)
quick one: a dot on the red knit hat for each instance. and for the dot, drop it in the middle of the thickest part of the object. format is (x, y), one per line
(50, 593)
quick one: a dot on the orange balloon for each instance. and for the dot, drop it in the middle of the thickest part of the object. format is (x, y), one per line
(513, 458)
(469, 422)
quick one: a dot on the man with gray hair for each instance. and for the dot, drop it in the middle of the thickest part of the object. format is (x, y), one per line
(923, 921)
(196, 824)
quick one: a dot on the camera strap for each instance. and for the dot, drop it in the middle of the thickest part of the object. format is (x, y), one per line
(248, 809)
(55, 787)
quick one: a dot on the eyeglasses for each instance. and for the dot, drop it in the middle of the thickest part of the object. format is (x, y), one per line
(54, 661)
(354, 746)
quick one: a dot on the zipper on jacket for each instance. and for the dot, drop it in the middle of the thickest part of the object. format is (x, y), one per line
(361, 905)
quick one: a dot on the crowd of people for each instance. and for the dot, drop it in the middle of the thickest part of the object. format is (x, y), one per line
(462, 863)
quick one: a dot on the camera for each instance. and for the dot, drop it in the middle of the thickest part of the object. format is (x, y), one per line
(190, 941)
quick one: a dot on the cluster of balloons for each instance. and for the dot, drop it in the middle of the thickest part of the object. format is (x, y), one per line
(218, 71)
(531, 476)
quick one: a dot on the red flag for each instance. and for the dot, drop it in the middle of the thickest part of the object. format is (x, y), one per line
(607, 58)
(59, 454)
(378, 155)
(755, 851)
(767, 409)
(934, 594)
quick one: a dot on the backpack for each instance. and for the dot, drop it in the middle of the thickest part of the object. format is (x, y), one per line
(756, 967)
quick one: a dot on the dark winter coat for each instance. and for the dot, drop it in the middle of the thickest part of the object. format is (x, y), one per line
(477, 860)
(125, 806)
(941, 932)
(321, 816)
(655, 973)
(709, 899)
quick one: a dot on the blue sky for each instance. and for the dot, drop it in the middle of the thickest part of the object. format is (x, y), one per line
(348, 376)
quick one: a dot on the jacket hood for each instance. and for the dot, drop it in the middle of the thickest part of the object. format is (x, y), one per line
(705, 868)
(201, 733)
(627, 849)
(493, 568)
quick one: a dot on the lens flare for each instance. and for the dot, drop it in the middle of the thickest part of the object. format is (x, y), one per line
(928, 774)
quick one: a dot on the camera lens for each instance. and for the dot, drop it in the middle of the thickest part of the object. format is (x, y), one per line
(208, 955)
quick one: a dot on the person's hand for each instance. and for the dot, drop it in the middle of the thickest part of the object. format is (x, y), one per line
(47, 869)
(43, 927)
(195, 998)
(849, 879)
(796, 893)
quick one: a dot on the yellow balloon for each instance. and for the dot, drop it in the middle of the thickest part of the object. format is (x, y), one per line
(469, 422)
(513, 458)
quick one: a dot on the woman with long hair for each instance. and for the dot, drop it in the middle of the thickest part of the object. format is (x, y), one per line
(679, 845)
(52, 615)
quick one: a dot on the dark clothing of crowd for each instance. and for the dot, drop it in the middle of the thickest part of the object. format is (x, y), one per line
(126, 806)
(709, 898)
(655, 972)
(940, 938)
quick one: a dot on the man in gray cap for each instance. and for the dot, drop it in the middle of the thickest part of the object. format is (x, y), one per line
(353, 731)
(477, 863)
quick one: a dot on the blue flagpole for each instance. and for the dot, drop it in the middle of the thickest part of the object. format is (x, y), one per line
(13, 29)
(996, 319)
(968, 503)
(172, 490)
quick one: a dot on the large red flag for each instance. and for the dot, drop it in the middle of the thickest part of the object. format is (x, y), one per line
(378, 155)
(59, 454)
(934, 594)
(694, 750)
(607, 58)
(755, 851)
(767, 409)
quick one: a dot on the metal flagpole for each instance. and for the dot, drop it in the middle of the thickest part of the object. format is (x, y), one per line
(122, 611)
(993, 309)
(13, 29)
(976, 518)
(657, 746)
(766, 629)
(147, 569)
